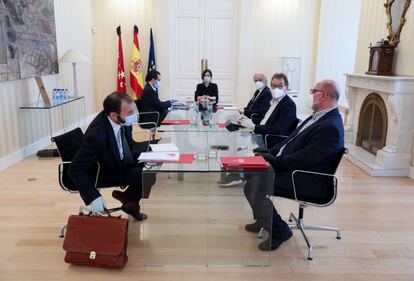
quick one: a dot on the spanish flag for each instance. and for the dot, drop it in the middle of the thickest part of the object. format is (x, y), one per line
(136, 77)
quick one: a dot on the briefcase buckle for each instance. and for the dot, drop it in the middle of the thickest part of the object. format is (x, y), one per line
(92, 255)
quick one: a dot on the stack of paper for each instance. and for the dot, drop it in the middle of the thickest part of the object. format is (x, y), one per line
(164, 147)
(159, 156)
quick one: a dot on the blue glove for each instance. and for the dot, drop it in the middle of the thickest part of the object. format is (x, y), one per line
(173, 101)
(98, 206)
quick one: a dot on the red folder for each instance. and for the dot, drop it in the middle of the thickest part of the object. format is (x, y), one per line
(184, 159)
(221, 125)
(219, 107)
(175, 122)
(244, 162)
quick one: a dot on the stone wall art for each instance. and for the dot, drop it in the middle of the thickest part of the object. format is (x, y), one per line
(27, 39)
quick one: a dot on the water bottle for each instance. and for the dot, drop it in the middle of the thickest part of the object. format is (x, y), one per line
(66, 94)
(54, 93)
(210, 113)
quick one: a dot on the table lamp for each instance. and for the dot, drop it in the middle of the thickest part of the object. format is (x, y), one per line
(74, 56)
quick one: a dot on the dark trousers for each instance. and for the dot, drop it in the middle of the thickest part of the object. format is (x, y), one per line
(257, 187)
(138, 185)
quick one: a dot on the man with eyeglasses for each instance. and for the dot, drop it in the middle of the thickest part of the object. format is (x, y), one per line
(313, 146)
(279, 119)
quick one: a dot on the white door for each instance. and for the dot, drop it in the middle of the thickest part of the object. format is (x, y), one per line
(204, 29)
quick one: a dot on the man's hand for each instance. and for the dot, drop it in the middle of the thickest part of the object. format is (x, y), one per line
(260, 150)
(98, 206)
(247, 123)
(269, 158)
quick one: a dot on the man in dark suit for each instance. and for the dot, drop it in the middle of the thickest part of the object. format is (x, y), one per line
(108, 141)
(313, 146)
(150, 102)
(280, 118)
(260, 102)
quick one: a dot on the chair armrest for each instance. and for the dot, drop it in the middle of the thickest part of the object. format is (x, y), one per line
(335, 179)
(151, 113)
(270, 137)
(61, 171)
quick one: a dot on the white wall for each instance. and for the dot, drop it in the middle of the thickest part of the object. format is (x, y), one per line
(73, 19)
(107, 15)
(337, 44)
(373, 28)
(286, 29)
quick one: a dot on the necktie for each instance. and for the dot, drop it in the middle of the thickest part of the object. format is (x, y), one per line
(128, 158)
(254, 98)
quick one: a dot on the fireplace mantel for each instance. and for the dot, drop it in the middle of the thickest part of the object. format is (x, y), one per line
(396, 158)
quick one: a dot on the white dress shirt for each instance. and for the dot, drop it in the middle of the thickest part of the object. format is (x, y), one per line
(273, 104)
(315, 117)
(117, 132)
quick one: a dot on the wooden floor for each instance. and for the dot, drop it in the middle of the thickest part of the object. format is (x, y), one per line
(375, 215)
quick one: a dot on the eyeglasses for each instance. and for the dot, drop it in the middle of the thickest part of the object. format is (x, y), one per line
(313, 91)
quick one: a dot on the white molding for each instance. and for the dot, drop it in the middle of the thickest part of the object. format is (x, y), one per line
(17, 156)
(397, 92)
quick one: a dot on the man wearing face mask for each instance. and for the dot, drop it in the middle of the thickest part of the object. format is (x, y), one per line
(108, 141)
(150, 101)
(280, 118)
(313, 146)
(260, 102)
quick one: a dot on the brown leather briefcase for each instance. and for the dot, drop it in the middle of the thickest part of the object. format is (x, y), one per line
(96, 240)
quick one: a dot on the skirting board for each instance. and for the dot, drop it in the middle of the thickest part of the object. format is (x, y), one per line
(411, 172)
(22, 153)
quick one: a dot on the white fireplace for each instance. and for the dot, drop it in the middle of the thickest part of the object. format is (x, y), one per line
(397, 93)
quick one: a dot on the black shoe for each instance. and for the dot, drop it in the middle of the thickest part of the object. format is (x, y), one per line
(120, 196)
(254, 227)
(232, 180)
(272, 243)
(132, 209)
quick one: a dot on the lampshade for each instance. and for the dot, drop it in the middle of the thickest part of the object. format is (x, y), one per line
(73, 56)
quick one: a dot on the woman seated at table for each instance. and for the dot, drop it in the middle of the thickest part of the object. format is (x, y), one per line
(207, 89)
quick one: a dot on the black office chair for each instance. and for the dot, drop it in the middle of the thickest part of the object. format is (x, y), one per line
(68, 145)
(147, 119)
(299, 180)
(271, 140)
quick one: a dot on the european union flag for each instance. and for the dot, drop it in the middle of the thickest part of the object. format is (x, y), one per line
(151, 58)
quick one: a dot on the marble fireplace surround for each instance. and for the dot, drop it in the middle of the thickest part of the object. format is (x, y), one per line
(396, 158)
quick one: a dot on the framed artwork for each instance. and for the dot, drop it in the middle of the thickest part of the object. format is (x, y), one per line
(291, 68)
(27, 39)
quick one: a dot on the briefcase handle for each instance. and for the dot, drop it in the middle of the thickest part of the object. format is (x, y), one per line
(107, 211)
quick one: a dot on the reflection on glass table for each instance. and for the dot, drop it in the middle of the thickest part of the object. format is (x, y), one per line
(200, 120)
(191, 219)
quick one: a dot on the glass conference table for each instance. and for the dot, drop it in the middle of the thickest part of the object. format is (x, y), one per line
(192, 221)
(193, 115)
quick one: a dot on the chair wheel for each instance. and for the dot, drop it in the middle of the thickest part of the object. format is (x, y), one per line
(310, 259)
(339, 238)
(290, 220)
(61, 236)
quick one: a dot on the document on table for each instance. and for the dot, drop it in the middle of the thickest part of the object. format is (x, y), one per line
(164, 147)
(159, 156)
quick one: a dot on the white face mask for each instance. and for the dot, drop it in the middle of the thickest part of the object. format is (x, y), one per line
(157, 84)
(129, 120)
(277, 93)
(260, 85)
(309, 102)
